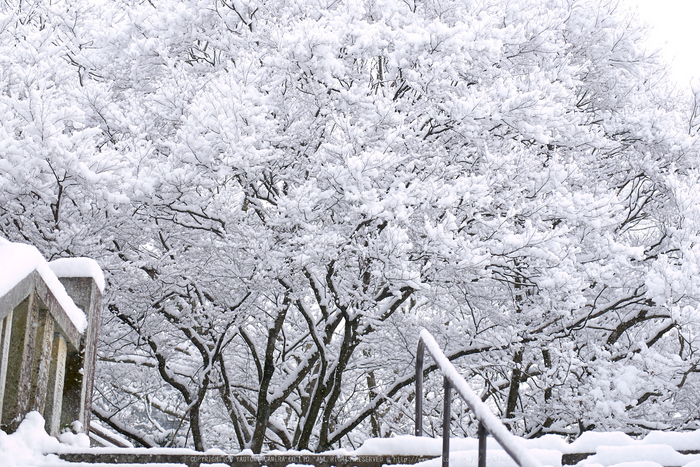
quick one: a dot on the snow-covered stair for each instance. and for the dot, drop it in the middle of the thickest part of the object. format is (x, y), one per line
(658, 449)
(590, 449)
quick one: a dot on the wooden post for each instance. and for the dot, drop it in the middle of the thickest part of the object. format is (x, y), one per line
(4, 354)
(42, 361)
(419, 388)
(446, 419)
(57, 372)
(19, 364)
(80, 366)
(482, 445)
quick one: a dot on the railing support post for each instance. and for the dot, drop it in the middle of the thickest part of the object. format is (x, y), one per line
(419, 388)
(482, 445)
(446, 418)
(4, 355)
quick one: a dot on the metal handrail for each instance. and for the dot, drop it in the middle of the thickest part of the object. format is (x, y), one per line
(488, 422)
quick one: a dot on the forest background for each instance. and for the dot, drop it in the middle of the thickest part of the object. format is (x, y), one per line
(282, 193)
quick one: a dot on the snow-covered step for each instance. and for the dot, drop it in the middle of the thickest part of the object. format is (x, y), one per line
(606, 449)
(661, 454)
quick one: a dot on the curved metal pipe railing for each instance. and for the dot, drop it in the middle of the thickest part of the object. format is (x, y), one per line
(488, 422)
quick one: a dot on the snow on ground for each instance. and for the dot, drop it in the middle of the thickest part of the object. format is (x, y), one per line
(495, 458)
(30, 446)
(611, 449)
(661, 454)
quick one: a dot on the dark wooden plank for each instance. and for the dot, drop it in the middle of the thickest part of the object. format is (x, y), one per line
(575, 458)
(276, 460)
(270, 460)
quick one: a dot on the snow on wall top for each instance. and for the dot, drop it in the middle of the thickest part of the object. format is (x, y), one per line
(79, 267)
(18, 260)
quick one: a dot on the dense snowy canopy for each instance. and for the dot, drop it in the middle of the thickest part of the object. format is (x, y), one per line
(282, 193)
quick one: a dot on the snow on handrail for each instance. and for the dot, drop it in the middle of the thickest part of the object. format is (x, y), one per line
(488, 422)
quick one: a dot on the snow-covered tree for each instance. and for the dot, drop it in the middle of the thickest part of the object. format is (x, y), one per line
(284, 193)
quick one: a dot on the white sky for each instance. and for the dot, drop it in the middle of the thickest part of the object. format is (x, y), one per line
(677, 29)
